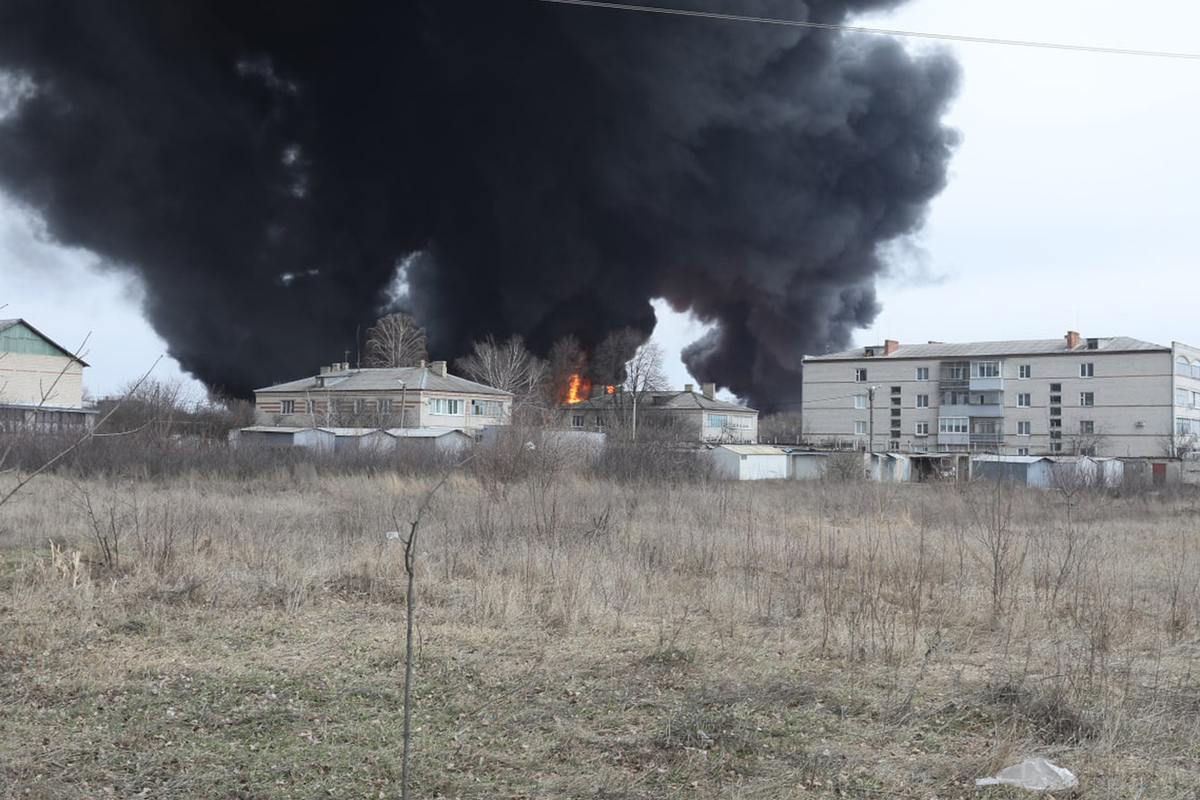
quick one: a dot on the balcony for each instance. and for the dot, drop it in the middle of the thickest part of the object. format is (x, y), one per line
(987, 384)
(954, 438)
(984, 410)
(986, 440)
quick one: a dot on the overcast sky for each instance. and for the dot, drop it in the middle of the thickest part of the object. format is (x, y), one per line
(1071, 204)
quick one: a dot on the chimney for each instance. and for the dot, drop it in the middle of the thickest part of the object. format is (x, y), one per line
(438, 368)
(709, 390)
(421, 364)
(890, 346)
(689, 387)
(1072, 340)
(324, 370)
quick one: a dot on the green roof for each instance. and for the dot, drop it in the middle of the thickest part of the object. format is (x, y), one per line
(18, 336)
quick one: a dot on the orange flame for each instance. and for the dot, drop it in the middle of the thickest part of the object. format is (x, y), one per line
(578, 389)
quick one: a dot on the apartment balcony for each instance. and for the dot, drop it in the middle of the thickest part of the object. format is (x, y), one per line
(987, 384)
(986, 440)
(985, 411)
(954, 438)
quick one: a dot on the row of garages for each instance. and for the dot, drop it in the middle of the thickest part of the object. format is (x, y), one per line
(341, 440)
(767, 462)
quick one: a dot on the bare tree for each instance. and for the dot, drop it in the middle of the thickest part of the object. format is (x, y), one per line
(396, 341)
(507, 365)
(641, 374)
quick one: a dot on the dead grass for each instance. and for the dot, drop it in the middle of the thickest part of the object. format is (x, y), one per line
(590, 639)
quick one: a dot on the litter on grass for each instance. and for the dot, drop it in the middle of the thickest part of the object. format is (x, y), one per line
(1037, 774)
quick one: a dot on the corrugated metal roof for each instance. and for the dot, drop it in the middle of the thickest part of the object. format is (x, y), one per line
(1015, 347)
(1011, 459)
(272, 429)
(752, 449)
(424, 433)
(383, 379)
(5, 324)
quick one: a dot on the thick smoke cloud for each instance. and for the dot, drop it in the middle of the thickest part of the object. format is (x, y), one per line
(266, 166)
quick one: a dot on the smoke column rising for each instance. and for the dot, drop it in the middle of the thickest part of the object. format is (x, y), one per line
(264, 167)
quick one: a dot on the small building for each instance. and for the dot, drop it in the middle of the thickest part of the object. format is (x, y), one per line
(426, 396)
(805, 465)
(686, 416)
(751, 462)
(1035, 471)
(41, 382)
(282, 436)
(440, 440)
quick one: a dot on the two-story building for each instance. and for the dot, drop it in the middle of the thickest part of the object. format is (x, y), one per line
(41, 382)
(687, 416)
(1108, 396)
(426, 396)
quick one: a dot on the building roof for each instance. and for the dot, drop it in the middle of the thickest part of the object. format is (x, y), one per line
(1014, 347)
(425, 433)
(1001, 459)
(385, 379)
(753, 449)
(677, 401)
(5, 324)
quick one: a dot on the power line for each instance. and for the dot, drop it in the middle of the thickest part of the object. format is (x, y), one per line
(950, 37)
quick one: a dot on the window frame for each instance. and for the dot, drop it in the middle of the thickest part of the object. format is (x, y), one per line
(1087, 369)
(860, 374)
(1024, 372)
(922, 373)
(1087, 399)
(1025, 400)
(1024, 427)
(921, 401)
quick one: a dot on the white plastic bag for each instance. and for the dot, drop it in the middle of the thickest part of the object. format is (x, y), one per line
(1037, 774)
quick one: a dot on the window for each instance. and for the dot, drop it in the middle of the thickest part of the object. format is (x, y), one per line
(895, 412)
(577, 420)
(741, 423)
(287, 406)
(954, 425)
(985, 369)
(922, 429)
(1055, 434)
(1183, 427)
(1196, 369)
(1182, 367)
(1023, 400)
(310, 406)
(895, 401)
(487, 408)
(1024, 428)
(1056, 399)
(860, 375)
(384, 405)
(718, 420)
(1087, 427)
(360, 405)
(445, 405)
(1056, 387)
(893, 444)
(1195, 399)
(922, 373)
(1087, 399)
(1182, 397)
(860, 401)
(1022, 451)
(860, 428)
(1087, 370)
(1056, 423)
(895, 390)
(1056, 447)
(922, 401)
(1055, 411)
(1025, 372)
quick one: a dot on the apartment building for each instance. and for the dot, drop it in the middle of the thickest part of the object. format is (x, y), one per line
(1114, 396)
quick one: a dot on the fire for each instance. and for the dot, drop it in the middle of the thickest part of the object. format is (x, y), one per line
(578, 389)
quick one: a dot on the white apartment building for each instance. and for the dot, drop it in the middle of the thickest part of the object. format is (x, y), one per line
(1114, 396)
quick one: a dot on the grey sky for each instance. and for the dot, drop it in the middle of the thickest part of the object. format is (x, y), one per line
(1071, 201)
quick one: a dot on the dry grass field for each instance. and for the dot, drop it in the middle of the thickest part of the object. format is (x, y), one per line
(207, 637)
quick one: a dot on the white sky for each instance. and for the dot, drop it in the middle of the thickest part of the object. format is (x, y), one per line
(1072, 200)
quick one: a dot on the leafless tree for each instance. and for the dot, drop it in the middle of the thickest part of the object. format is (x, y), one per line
(396, 341)
(641, 374)
(507, 366)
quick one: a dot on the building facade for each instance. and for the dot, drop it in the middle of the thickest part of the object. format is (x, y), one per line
(41, 382)
(1114, 396)
(687, 416)
(425, 396)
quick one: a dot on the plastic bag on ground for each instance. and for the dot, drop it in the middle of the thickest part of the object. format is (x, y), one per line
(1037, 774)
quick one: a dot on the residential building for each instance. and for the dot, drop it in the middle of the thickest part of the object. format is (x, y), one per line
(1112, 396)
(425, 396)
(678, 416)
(41, 382)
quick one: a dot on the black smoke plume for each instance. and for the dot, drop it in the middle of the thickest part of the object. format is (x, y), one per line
(266, 167)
